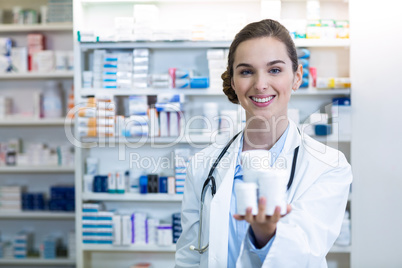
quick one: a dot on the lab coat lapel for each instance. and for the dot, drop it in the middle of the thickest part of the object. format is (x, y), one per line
(220, 205)
(292, 141)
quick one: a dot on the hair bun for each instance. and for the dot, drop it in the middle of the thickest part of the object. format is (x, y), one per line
(227, 87)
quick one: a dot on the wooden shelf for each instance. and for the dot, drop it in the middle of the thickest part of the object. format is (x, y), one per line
(6, 28)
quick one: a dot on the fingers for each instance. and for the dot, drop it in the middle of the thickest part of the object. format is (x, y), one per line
(277, 214)
(288, 209)
(239, 217)
(249, 215)
(261, 217)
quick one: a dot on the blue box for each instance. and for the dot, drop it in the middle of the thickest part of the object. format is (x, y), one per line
(323, 129)
(144, 184)
(199, 82)
(163, 184)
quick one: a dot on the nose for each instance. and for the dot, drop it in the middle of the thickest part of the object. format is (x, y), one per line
(261, 82)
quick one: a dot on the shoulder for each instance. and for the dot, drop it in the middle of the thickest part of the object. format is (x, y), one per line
(322, 156)
(321, 166)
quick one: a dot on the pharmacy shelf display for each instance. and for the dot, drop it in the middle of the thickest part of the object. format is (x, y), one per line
(18, 86)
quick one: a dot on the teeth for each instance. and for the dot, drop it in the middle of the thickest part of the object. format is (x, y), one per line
(262, 99)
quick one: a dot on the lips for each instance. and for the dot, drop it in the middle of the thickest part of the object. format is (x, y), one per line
(262, 101)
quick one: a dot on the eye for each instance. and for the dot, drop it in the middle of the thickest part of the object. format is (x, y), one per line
(246, 72)
(275, 71)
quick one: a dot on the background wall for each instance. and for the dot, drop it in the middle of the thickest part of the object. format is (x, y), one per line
(376, 94)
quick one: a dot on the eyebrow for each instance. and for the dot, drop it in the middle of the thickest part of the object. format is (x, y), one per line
(268, 64)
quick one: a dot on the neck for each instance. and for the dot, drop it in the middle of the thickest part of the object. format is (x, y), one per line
(262, 133)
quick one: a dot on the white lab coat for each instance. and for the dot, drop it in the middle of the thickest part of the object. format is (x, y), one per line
(318, 198)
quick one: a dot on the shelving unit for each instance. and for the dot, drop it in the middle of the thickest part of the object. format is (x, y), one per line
(21, 88)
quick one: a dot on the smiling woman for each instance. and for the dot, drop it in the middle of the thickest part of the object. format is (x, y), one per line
(262, 71)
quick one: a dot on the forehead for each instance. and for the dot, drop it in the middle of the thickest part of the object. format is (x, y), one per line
(261, 49)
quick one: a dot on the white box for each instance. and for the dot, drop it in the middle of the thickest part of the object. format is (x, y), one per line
(111, 183)
(215, 54)
(117, 230)
(126, 230)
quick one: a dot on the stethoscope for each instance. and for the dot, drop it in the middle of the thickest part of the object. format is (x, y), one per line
(211, 179)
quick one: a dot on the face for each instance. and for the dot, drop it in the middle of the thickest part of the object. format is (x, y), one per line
(263, 77)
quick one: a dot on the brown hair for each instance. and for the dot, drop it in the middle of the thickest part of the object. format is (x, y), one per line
(264, 28)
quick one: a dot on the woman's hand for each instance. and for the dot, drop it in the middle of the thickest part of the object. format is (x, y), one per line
(264, 227)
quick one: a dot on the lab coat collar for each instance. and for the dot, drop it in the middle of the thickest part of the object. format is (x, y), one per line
(227, 161)
(292, 140)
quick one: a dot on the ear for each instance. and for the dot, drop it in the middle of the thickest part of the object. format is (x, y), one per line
(298, 78)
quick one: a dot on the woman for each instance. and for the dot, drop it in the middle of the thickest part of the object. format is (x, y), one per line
(262, 71)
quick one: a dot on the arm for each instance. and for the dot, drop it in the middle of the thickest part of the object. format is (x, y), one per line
(304, 237)
(189, 221)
